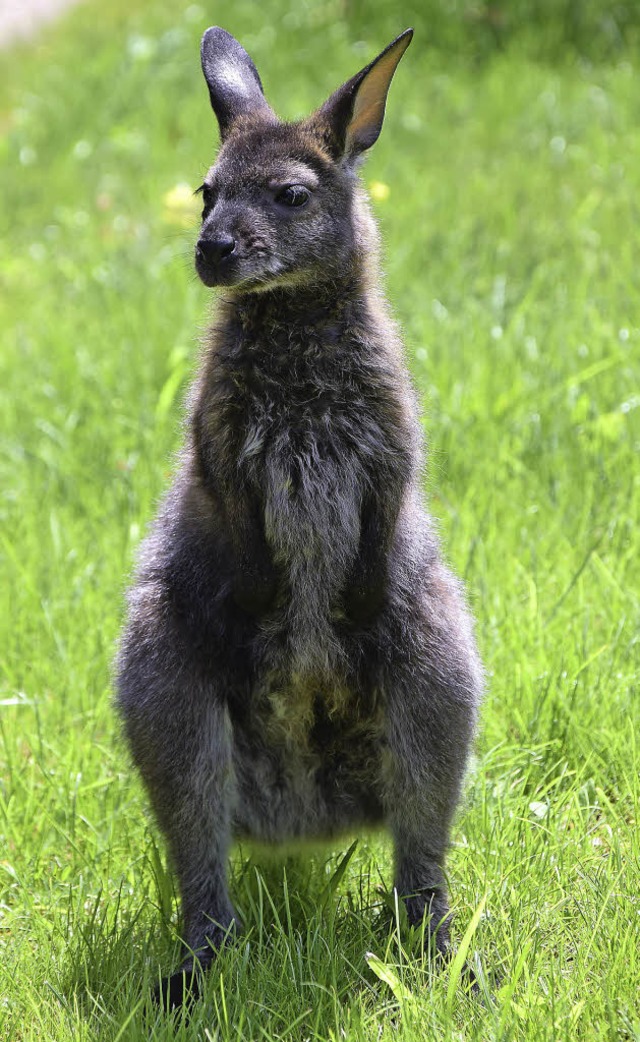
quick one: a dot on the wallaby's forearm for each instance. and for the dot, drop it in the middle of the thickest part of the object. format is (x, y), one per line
(365, 590)
(254, 573)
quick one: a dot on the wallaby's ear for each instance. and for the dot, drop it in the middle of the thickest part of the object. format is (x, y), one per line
(233, 81)
(353, 114)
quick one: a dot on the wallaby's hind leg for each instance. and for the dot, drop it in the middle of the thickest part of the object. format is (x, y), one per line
(432, 681)
(180, 737)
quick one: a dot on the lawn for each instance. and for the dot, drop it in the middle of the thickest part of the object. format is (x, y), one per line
(506, 181)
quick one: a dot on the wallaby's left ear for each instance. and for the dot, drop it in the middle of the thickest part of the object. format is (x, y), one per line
(354, 113)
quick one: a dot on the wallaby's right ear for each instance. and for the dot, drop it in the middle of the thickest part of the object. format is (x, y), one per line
(233, 81)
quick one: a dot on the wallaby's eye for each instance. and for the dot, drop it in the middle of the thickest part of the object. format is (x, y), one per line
(293, 195)
(208, 198)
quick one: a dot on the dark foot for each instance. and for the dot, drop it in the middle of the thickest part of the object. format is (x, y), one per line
(431, 908)
(179, 990)
(429, 915)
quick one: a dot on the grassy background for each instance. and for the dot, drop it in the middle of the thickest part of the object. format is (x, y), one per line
(511, 156)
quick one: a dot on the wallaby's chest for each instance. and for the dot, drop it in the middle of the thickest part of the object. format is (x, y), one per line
(293, 411)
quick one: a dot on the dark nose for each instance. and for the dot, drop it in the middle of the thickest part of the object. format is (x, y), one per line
(212, 251)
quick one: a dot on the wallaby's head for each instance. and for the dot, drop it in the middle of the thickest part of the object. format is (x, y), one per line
(281, 202)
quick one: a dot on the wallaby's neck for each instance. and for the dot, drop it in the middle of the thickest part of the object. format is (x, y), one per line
(337, 306)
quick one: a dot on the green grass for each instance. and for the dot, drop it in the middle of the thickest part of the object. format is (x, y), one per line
(512, 260)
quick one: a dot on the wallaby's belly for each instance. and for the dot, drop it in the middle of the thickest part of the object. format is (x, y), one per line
(308, 761)
(308, 758)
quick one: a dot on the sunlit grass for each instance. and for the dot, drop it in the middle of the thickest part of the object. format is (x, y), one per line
(508, 196)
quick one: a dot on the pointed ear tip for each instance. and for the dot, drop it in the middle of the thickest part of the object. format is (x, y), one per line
(400, 44)
(214, 34)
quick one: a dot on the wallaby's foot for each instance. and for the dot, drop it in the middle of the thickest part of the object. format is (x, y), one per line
(469, 981)
(177, 991)
(182, 988)
(435, 940)
(431, 908)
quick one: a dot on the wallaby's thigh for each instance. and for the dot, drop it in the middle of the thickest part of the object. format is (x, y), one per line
(431, 679)
(173, 703)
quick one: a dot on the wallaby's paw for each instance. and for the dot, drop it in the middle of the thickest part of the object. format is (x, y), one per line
(255, 599)
(255, 592)
(361, 603)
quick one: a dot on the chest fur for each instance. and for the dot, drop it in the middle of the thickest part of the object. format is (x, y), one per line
(306, 441)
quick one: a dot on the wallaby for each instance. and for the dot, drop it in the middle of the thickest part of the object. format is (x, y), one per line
(297, 661)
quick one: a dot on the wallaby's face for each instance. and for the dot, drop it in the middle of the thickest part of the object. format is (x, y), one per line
(276, 211)
(279, 201)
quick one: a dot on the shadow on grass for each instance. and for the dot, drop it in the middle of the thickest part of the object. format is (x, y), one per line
(298, 964)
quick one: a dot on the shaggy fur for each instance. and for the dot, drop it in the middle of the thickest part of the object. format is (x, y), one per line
(298, 661)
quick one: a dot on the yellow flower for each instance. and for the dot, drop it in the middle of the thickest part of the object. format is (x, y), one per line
(379, 191)
(181, 206)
